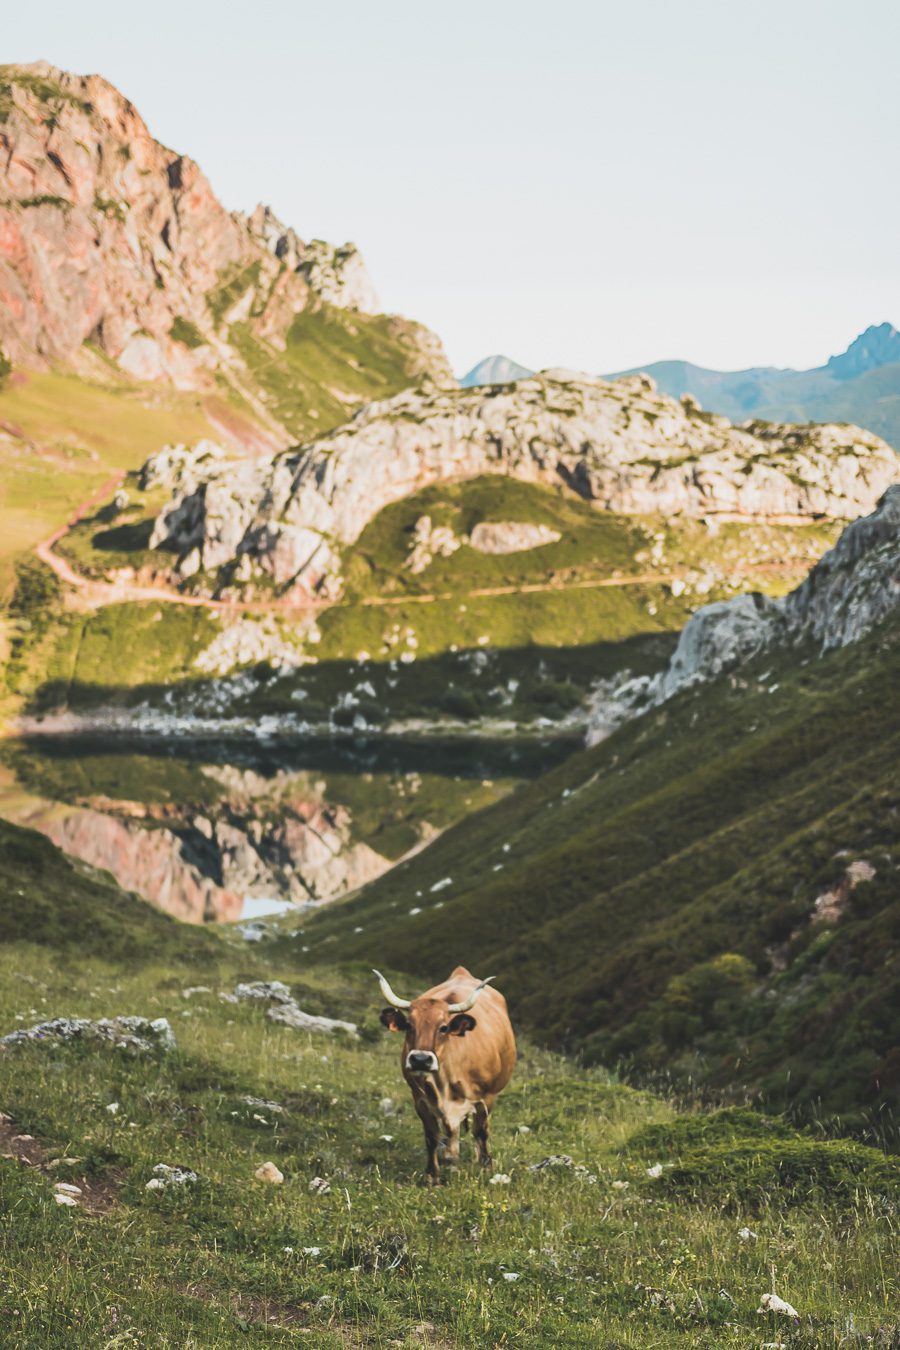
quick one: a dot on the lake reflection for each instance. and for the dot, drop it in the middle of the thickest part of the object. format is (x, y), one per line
(214, 830)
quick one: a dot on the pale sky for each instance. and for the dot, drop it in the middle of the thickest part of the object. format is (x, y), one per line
(593, 185)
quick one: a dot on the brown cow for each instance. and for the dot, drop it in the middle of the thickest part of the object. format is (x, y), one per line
(455, 1064)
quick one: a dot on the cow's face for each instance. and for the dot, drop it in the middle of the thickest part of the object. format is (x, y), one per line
(428, 1025)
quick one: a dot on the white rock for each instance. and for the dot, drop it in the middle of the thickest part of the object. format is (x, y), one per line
(270, 1173)
(66, 1188)
(67, 1200)
(771, 1303)
(319, 1186)
(655, 1171)
(746, 1234)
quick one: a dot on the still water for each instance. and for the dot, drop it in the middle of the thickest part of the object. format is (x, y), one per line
(225, 830)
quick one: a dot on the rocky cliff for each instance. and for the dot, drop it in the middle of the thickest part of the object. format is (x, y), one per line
(854, 588)
(108, 238)
(621, 445)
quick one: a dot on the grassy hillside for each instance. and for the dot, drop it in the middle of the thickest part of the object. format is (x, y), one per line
(332, 361)
(651, 900)
(590, 1251)
(514, 637)
(62, 438)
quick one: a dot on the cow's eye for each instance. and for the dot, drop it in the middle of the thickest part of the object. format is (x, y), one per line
(444, 1030)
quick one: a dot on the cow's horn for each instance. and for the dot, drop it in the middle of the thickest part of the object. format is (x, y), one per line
(476, 992)
(388, 992)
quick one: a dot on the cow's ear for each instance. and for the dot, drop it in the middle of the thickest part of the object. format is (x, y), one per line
(393, 1019)
(461, 1023)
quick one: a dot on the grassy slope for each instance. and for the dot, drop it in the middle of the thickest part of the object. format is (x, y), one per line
(68, 437)
(638, 900)
(540, 650)
(333, 361)
(223, 1262)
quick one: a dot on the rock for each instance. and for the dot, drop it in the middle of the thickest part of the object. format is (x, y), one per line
(110, 238)
(852, 589)
(165, 1176)
(771, 1303)
(617, 443)
(287, 1011)
(290, 1015)
(832, 904)
(66, 1188)
(511, 536)
(137, 1034)
(555, 1160)
(270, 1173)
(430, 542)
(319, 1186)
(265, 990)
(68, 1201)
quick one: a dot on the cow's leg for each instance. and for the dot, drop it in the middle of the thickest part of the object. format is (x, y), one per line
(480, 1133)
(432, 1142)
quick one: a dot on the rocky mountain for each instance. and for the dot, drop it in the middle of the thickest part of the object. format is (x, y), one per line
(851, 590)
(495, 370)
(860, 385)
(621, 445)
(111, 243)
(710, 893)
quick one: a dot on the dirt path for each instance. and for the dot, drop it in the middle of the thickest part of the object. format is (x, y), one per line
(94, 594)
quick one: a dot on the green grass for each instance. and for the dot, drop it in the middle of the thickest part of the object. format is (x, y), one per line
(656, 1262)
(652, 889)
(334, 362)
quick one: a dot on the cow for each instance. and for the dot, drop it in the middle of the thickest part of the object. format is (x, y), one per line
(456, 1065)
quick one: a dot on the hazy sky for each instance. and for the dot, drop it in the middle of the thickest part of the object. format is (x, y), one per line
(582, 184)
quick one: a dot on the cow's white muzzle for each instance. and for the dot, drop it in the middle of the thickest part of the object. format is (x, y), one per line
(422, 1061)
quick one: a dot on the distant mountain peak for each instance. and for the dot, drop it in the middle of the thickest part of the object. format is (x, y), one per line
(879, 345)
(495, 370)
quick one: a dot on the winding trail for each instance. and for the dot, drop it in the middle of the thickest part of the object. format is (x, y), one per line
(93, 594)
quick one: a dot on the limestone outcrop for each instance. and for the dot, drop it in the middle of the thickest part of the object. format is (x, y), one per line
(619, 444)
(851, 590)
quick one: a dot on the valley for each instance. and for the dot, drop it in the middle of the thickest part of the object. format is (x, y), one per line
(316, 660)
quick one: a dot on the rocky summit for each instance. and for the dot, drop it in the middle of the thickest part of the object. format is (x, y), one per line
(111, 243)
(619, 444)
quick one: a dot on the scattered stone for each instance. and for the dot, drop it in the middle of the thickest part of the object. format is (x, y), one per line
(262, 1104)
(554, 1160)
(269, 1172)
(165, 1176)
(137, 1034)
(500, 1179)
(621, 1185)
(771, 1303)
(290, 1015)
(68, 1201)
(655, 1171)
(511, 1276)
(195, 988)
(66, 1188)
(747, 1234)
(319, 1186)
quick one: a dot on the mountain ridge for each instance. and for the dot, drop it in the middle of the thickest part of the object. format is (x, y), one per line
(860, 384)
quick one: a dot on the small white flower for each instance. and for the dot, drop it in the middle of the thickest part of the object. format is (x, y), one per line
(746, 1234)
(500, 1179)
(511, 1276)
(310, 1251)
(387, 1138)
(523, 1129)
(621, 1185)
(288, 1251)
(655, 1171)
(415, 910)
(113, 1108)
